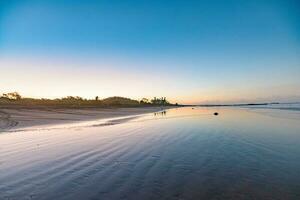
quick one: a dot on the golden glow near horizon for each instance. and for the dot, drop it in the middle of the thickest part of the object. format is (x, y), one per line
(55, 78)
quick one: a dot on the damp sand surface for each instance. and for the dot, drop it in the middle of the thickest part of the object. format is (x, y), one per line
(180, 153)
(16, 118)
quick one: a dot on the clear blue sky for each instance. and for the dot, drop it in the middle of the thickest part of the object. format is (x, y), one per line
(189, 51)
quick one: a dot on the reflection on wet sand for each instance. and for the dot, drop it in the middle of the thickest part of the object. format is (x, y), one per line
(181, 153)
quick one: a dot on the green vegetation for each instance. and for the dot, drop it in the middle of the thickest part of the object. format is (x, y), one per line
(14, 99)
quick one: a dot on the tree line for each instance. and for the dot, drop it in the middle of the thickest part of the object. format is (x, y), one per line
(14, 98)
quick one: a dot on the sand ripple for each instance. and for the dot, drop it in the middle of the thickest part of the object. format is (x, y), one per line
(200, 157)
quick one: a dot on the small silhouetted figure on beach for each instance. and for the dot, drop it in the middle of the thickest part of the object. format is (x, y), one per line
(216, 113)
(162, 113)
(96, 98)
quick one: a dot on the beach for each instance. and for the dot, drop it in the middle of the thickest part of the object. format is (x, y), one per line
(15, 118)
(180, 153)
(150, 100)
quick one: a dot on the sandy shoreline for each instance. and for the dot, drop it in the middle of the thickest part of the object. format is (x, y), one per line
(14, 118)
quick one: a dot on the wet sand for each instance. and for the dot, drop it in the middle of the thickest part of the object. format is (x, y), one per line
(182, 153)
(15, 118)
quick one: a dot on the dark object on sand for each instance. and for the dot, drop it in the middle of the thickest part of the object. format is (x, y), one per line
(216, 113)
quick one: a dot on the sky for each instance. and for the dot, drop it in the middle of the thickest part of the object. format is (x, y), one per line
(188, 51)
